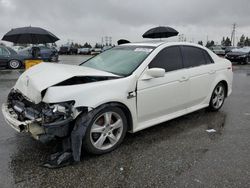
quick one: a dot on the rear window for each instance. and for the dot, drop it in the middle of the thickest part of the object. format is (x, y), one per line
(193, 56)
(208, 58)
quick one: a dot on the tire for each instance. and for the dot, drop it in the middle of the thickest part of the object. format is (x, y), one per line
(14, 64)
(218, 97)
(104, 135)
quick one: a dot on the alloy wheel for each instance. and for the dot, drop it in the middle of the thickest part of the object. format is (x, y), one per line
(14, 64)
(106, 130)
(218, 96)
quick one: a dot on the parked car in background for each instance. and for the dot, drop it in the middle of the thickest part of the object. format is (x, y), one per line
(106, 48)
(241, 55)
(68, 50)
(96, 51)
(229, 49)
(17, 48)
(9, 58)
(48, 54)
(218, 50)
(84, 51)
(128, 88)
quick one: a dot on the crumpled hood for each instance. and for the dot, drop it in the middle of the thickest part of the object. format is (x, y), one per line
(44, 75)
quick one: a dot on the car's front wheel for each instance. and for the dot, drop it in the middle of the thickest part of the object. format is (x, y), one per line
(218, 97)
(14, 64)
(106, 130)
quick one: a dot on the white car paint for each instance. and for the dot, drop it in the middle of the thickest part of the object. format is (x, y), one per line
(44, 75)
(156, 100)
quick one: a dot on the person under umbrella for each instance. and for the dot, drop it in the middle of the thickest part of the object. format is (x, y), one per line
(160, 32)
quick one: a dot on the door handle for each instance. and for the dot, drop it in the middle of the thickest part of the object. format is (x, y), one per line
(212, 71)
(183, 79)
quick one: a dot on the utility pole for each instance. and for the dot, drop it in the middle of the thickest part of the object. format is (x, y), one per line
(233, 35)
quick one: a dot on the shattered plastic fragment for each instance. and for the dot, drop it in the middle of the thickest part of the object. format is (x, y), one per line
(211, 130)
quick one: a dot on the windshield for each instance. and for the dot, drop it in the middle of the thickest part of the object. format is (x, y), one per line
(121, 60)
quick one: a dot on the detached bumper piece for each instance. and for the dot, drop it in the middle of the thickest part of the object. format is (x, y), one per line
(44, 121)
(59, 160)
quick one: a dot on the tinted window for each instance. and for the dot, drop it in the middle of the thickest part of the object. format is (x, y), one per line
(193, 56)
(3, 52)
(207, 57)
(169, 59)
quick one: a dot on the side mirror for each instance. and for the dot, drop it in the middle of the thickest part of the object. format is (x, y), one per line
(153, 73)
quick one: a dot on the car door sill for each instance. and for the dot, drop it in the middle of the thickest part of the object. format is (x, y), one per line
(164, 118)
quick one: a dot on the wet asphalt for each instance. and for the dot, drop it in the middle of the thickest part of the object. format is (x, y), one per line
(178, 153)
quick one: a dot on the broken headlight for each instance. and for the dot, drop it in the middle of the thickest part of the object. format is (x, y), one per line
(57, 112)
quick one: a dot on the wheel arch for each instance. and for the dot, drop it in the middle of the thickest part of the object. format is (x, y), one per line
(224, 82)
(120, 105)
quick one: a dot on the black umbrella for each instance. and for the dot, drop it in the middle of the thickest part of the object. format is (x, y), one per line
(160, 32)
(122, 41)
(30, 35)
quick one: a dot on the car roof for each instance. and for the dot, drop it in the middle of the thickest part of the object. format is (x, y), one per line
(156, 43)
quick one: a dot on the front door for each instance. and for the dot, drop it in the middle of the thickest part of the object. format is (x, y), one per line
(159, 97)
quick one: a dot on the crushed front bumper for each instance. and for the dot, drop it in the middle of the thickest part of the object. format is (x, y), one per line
(11, 118)
(43, 133)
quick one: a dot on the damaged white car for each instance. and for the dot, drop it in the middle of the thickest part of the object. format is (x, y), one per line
(128, 88)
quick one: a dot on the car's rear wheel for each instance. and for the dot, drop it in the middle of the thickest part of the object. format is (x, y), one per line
(218, 97)
(106, 130)
(14, 64)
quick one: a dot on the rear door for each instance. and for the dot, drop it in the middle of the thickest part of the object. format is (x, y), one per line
(201, 73)
(158, 97)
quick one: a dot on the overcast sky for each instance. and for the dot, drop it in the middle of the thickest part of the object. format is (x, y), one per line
(82, 20)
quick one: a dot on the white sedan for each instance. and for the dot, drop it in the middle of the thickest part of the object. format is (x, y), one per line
(128, 88)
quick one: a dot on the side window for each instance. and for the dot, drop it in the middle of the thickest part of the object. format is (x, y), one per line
(3, 52)
(193, 56)
(169, 59)
(208, 58)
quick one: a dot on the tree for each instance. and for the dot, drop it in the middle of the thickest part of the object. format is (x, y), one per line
(247, 42)
(227, 42)
(210, 44)
(223, 41)
(242, 41)
(200, 42)
(87, 45)
(98, 45)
